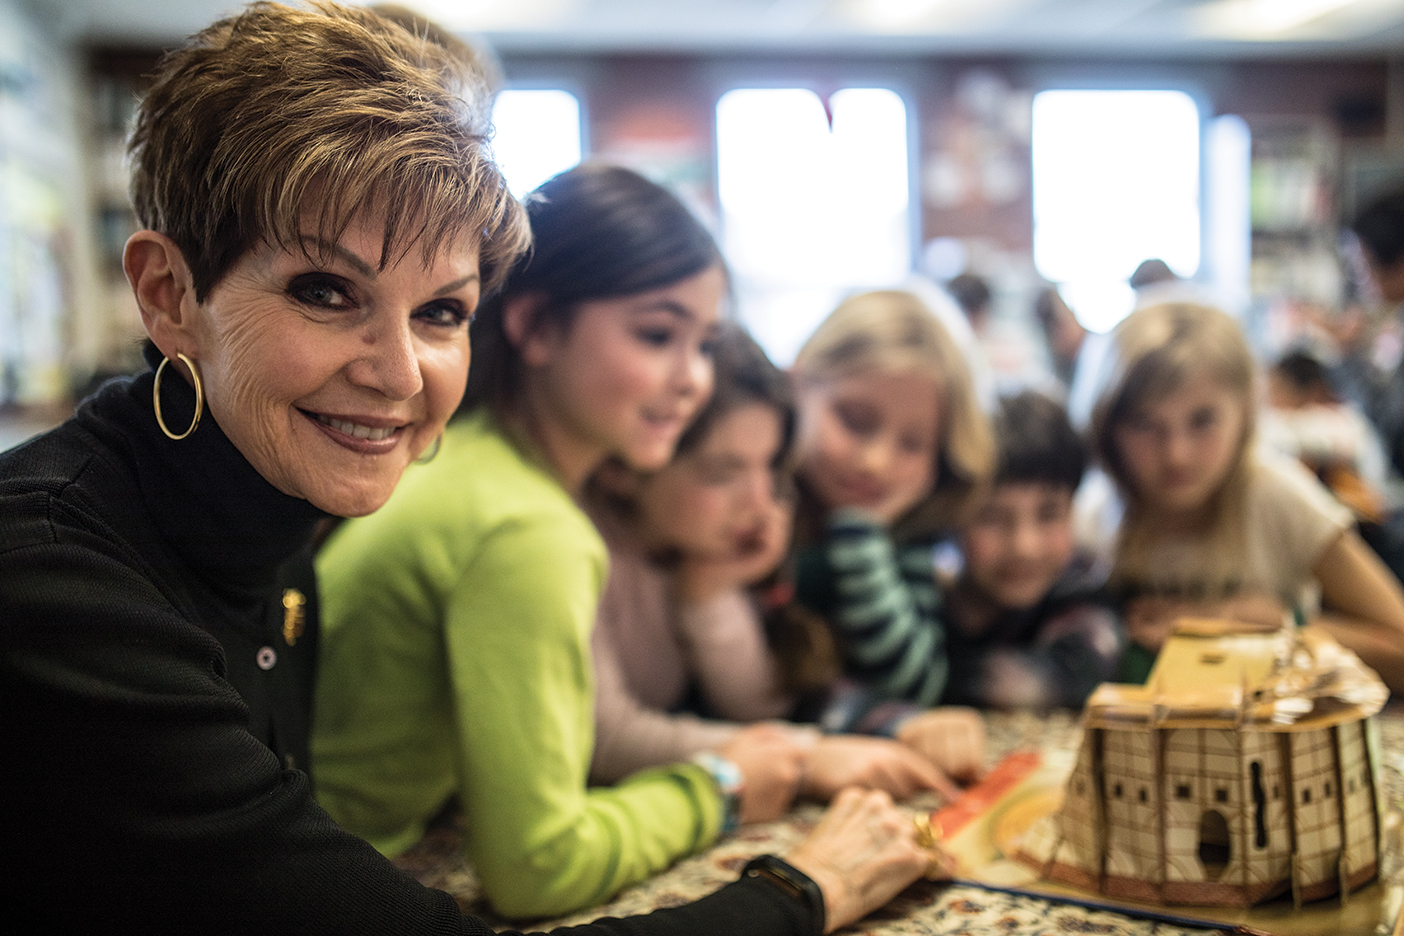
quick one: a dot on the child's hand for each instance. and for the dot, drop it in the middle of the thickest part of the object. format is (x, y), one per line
(702, 578)
(839, 761)
(1259, 608)
(951, 737)
(882, 512)
(1150, 620)
(891, 508)
(771, 760)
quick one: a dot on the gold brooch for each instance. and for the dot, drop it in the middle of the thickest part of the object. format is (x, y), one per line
(294, 615)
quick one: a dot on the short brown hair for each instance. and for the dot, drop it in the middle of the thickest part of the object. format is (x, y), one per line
(276, 110)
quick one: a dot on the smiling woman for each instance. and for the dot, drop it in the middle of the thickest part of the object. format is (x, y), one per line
(158, 618)
(328, 374)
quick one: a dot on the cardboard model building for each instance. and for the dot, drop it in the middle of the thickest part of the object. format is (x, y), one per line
(1247, 765)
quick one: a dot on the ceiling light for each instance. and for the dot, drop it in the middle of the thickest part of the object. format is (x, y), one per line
(1262, 19)
(496, 15)
(888, 15)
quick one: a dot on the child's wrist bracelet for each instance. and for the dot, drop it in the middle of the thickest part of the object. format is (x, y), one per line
(728, 780)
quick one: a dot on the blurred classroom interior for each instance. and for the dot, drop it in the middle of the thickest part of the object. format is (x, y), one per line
(985, 151)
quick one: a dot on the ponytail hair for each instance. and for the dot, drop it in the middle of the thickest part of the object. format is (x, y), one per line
(598, 232)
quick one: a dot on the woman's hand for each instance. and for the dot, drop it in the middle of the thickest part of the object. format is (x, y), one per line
(862, 853)
(771, 762)
(952, 738)
(840, 761)
(702, 578)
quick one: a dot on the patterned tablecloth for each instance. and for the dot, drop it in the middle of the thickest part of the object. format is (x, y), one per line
(924, 909)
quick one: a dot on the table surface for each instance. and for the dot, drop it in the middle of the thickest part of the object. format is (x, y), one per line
(924, 908)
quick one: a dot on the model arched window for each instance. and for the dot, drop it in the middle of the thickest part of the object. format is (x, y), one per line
(1215, 849)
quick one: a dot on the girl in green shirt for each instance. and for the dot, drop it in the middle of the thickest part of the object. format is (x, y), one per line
(456, 649)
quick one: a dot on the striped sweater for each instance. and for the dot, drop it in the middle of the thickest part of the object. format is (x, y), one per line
(883, 605)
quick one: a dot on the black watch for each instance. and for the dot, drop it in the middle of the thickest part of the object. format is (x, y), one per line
(780, 874)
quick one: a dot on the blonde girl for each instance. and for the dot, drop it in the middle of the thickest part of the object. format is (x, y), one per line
(892, 448)
(1212, 526)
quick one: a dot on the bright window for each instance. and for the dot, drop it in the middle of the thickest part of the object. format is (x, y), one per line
(1115, 182)
(536, 136)
(814, 203)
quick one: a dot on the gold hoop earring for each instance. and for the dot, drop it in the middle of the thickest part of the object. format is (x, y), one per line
(433, 451)
(199, 397)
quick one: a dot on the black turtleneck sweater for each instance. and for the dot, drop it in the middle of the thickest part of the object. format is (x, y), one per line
(151, 704)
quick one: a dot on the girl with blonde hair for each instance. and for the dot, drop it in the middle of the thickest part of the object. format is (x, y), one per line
(892, 448)
(1212, 526)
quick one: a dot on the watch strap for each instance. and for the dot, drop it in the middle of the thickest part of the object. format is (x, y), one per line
(785, 877)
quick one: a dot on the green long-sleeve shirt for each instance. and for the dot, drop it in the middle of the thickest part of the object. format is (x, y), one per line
(456, 658)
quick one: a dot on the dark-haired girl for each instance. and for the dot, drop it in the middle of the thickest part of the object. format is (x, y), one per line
(456, 652)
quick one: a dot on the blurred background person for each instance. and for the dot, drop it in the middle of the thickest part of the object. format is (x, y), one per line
(1062, 332)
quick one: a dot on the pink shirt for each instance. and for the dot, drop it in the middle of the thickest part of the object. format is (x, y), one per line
(647, 653)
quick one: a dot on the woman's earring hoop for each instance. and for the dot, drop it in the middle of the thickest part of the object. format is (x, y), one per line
(433, 452)
(199, 397)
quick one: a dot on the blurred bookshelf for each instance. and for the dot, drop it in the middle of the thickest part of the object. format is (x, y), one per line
(116, 79)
